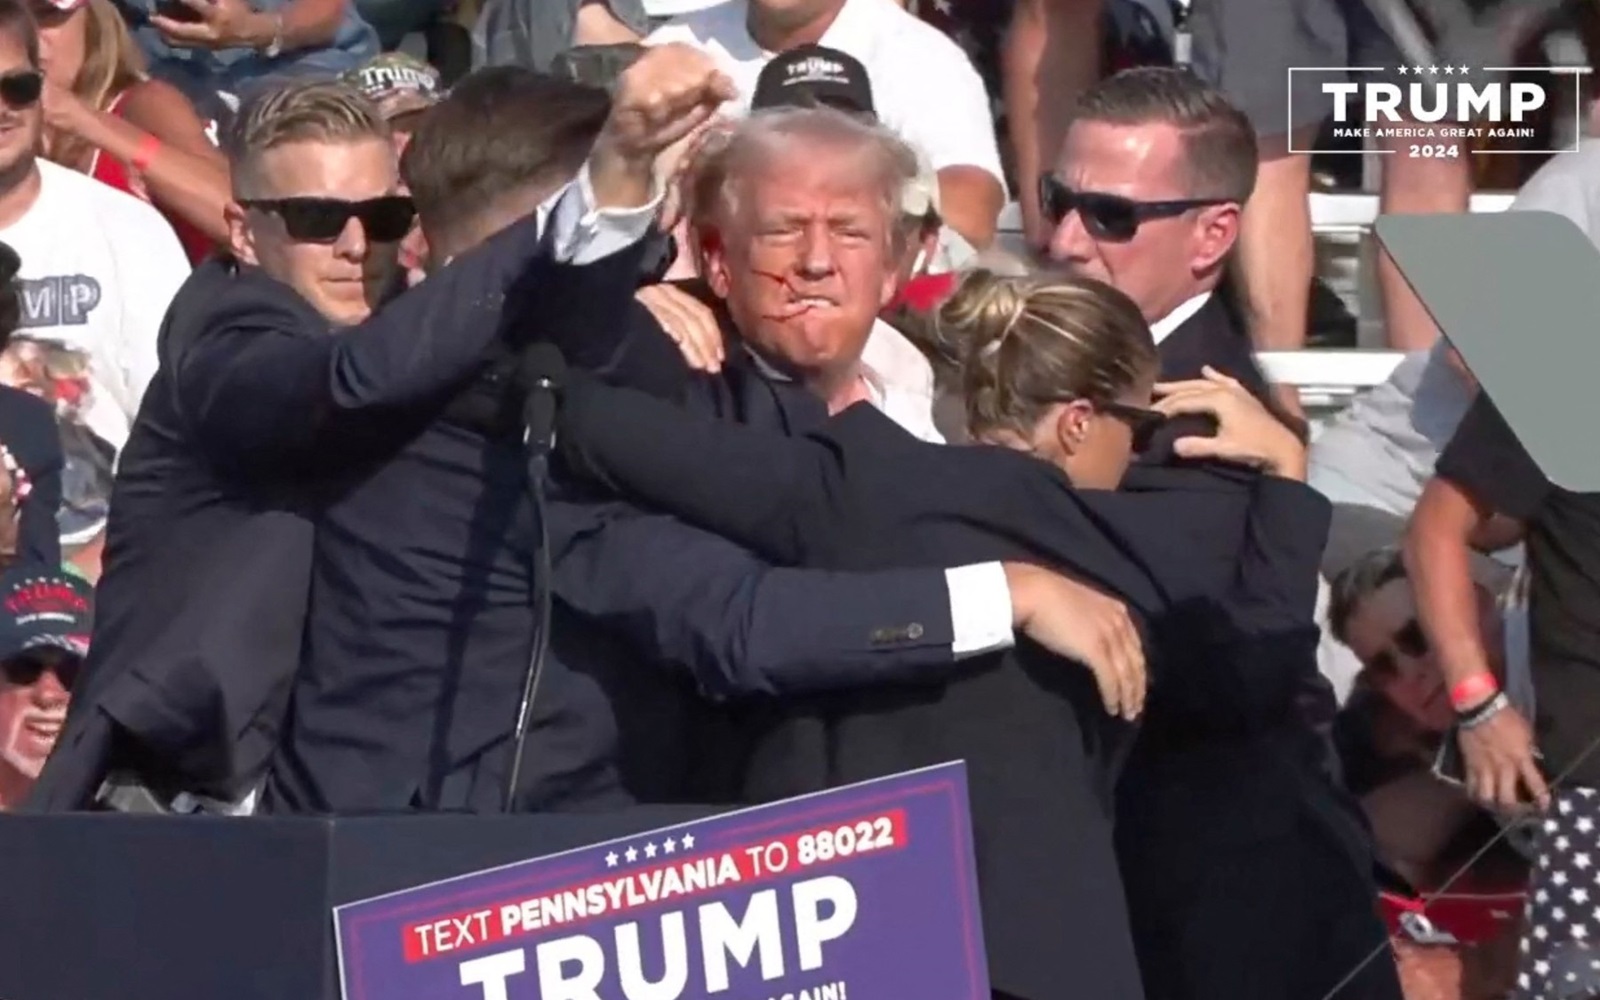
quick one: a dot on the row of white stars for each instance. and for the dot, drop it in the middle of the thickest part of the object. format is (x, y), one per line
(1433, 70)
(668, 846)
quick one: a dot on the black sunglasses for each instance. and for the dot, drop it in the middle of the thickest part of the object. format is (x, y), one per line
(1110, 217)
(1408, 639)
(1142, 421)
(26, 669)
(21, 88)
(321, 220)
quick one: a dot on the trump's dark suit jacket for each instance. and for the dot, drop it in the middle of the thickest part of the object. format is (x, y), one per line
(256, 407)
(1041, 752)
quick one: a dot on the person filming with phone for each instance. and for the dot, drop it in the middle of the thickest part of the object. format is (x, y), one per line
(1488, 494)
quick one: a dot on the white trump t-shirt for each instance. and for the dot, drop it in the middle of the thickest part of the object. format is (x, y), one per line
(99, 268)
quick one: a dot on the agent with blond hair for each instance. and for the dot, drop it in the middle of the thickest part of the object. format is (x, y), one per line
(105, 117)
(1058, 376)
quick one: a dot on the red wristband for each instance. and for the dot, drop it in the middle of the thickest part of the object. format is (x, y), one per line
(1474, 691)
(146, 151)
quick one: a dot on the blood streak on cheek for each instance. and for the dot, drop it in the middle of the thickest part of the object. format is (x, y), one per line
(798, 309)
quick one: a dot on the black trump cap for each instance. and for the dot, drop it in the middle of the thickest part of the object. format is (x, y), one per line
(812, 76)
(1517, 293)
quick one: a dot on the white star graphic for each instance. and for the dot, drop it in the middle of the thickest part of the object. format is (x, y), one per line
(631, 854)
(1558, 914)
(1433, 70)
(1463, 69)
(1579, 931)
(1549, 826)
(611, 860)
(1581, 860)
(688, 841)
(1596, 914)
(1563, 807)
(1522, 981)
(1584, 824)
(1541, 897)
(1562, 843)
(1540, 933)
(1449, 71)
(1541, 968)
(650, 850)
(1580, 895)
(668, 846)
(1558, 878)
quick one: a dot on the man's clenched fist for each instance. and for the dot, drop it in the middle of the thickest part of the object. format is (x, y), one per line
(664, 96)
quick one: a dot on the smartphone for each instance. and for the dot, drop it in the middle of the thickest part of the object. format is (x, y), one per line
(1448, 765)
(176, 10)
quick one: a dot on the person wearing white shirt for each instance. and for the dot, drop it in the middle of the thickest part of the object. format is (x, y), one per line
(924, 86)
(99, 268)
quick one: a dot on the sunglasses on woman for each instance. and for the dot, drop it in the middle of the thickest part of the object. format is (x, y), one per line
(21, 88)
(321, 220)
(1110, 218)
(1141, 421)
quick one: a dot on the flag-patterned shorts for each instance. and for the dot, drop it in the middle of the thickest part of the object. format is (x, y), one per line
(1561, 934)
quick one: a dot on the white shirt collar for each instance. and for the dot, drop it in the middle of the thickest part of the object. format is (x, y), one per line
(1167, 325)
(911, 410)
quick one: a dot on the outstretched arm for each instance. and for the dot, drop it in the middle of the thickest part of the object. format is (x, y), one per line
(683, 596)
(761, 489)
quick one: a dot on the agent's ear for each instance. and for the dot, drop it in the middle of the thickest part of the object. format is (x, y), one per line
(1072, 425)
(241, 240)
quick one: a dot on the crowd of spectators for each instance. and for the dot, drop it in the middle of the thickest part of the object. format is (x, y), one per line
(1176, 187)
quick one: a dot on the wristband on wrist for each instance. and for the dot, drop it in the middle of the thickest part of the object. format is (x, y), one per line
(1474, 691)
(145, 153)
(1483, 713)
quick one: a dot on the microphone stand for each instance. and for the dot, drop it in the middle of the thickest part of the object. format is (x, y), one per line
(539, 412)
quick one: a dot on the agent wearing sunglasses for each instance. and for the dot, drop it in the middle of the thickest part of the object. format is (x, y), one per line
(260, 407)
(1146, 195)
(45, 621)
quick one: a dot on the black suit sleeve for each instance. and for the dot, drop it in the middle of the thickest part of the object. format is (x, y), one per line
(262, 390)
(683, 596)
(763, 490)
(1269, 636)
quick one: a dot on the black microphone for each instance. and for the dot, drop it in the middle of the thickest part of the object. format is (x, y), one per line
(541, 373)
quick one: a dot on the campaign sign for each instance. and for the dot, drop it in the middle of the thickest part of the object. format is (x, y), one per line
(864, 892)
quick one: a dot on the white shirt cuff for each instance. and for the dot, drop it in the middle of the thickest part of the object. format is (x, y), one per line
(584, 234)
(980, 609)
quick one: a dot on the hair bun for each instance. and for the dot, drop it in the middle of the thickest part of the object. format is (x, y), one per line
(983, 308)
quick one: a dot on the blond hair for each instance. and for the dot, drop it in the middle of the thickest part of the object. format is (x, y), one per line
(315, 111)
(1018, 345)
(714, 188)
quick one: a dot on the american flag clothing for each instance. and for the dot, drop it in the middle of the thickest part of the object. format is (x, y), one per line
(1561, 933)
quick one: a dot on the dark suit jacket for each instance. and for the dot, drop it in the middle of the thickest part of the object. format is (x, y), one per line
(256, 405)
(1042, 755)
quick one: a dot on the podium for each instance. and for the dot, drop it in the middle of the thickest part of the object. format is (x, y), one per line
(116, 907)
